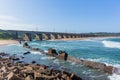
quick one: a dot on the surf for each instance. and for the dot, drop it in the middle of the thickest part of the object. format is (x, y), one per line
(111, 44)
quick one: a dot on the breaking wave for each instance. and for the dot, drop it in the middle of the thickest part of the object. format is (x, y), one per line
(111, 44)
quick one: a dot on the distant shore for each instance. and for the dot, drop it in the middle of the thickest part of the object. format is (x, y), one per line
(7, 42)
(84, 38)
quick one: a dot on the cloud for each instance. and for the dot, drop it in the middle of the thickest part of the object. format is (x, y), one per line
(8, 18)
(11, 23)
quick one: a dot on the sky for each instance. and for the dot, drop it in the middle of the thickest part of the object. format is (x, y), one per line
(77, 16)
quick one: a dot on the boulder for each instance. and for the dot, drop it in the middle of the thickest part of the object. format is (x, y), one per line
(35, 49)
(29, 78)
(30, 73)
(15, 59)
(52, 52)
(108, 69)
(37, 76)
(33, 62)
(25, 44)
(63, 55)
(4, 69)
(26, 53)
(95, 65)
(3, 54)
(12, 76)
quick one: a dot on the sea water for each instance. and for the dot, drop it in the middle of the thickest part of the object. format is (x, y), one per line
(104, 50)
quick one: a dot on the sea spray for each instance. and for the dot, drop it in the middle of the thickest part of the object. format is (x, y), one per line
(111, 44)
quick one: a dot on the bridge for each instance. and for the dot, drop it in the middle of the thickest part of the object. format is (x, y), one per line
(39, 35)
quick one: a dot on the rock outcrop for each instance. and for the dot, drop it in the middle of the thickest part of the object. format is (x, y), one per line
(52, 52)
(62, 55)
(12, 70)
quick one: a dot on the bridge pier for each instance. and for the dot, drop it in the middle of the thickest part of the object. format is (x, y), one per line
(69, 36)
(60, 36)
(65, 36)
(47, 36)
(54, 36)
(73, 36)
(27, 37)
(38, 37)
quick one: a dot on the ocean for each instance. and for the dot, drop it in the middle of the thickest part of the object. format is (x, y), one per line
(104, 50)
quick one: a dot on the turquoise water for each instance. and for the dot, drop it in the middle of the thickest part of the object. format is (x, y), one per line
(104, 50)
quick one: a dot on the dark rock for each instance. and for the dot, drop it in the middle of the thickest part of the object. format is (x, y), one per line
(108, 69)
(35, 49)
(26, 53)
(30, 73)
(63, 55)
(16, 59)
(25, 44)
(22, 57)
(3, 54)
(52, 52)
(95, 65)
(33, 62)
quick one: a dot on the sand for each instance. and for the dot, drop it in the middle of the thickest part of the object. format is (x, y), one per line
(7, 42)
(84, 38)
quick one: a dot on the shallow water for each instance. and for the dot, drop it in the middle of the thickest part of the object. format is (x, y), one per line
(104, 50)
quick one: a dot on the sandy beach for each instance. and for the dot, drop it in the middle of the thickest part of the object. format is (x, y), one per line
(84, 38)
(7, 42)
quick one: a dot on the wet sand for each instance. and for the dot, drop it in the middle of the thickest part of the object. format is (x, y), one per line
(84, 38)
(7, 42)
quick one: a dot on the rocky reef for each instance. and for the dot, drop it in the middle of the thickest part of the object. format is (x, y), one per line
(12, 69)
(64, 56)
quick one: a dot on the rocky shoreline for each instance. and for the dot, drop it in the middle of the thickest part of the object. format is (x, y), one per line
(64, 56)
(12, 69)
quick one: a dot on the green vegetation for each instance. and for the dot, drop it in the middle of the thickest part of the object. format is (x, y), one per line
(6, 35)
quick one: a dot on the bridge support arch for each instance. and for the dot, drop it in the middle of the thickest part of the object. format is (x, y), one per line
(47, 36)
(38, 37)
(27, 37)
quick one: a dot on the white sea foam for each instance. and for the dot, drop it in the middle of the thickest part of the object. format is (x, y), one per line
(73, 63)
(34, 43)
(46, 57)
(35, 52)
(46, 51)
(114, 77)
(56, 61)
(111, 44)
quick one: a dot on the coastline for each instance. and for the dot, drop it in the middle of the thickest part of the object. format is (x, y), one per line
(108, 69)
(7, 42)
(84, 38)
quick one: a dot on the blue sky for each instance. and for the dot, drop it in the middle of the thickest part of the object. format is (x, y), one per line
(61, 15)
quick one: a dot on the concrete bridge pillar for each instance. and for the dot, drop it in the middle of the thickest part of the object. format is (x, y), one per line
(54, 36)
(27, 37)
(69, 36)
(77, 36)
(65, 36)
(47, 36)
(60, 36)
(38, 37)
(73, 36)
